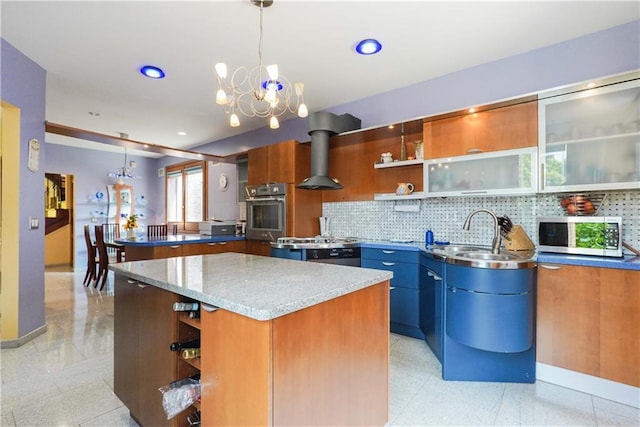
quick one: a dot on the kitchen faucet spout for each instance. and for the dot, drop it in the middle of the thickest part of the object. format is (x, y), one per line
(495, 245)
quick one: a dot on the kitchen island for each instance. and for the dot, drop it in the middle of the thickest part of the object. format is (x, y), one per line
(283, 342)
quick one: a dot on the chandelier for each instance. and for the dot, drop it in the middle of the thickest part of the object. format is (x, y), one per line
(260, 91)
(125, 172)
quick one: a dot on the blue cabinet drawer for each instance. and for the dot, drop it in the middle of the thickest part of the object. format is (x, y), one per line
(404, 306)
(391, 255)
(404, 274)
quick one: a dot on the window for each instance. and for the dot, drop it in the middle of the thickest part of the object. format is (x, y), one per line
(185, 194)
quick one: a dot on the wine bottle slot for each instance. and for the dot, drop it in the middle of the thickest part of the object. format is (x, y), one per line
(190, 353)
(177, 346)
(185, 306)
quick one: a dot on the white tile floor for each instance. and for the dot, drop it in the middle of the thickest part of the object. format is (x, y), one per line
(65, 378)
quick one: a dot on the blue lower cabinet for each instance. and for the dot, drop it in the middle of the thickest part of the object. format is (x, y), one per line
(404, 294)
(489, 324)
(431, 298)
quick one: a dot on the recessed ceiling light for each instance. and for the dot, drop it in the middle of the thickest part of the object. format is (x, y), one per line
(93, 113)
(368, 47)
(181, 133)
(152, 72)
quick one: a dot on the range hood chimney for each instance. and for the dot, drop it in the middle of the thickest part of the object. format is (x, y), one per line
(322, 125)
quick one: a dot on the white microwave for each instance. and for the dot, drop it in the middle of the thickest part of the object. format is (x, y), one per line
(585, 235)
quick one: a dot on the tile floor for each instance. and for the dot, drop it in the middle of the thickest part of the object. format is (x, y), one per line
(65, 378)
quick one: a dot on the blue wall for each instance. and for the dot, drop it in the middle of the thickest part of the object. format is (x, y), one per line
(90, 169)
(23, 85)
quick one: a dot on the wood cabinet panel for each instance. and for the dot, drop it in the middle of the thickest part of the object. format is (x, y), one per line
(258, 247)
(278, 162)
(352, 156)
(213, 248)
(236, 370)
(303, 209)
(620, 326)
(336, 375)
(514, 126)
(589, 321)
(144, 326)
(258, 169)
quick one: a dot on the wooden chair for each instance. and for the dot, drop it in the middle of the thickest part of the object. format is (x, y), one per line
(92, 261)
(103, 257)
(159, 230)
(112, 232)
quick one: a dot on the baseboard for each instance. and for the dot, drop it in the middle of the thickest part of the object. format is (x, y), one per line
(24, 339)
(607, 389)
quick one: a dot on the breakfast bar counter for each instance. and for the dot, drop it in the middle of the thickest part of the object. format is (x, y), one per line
(282, 342)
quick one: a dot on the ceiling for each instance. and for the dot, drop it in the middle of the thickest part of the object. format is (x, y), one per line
(92, 51)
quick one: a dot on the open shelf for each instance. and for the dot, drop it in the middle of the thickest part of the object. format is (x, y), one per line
(398, 163)
(184, 318)
(394, 196)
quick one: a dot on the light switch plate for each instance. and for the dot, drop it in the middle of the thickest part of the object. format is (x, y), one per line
(34, 223)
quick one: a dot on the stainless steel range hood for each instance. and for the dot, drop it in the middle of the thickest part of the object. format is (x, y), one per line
(322, 125)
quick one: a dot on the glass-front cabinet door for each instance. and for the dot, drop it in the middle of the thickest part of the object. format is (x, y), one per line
(497, 173)
(590, 140)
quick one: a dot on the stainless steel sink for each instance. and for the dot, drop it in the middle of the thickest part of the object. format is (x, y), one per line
(488, 256)
(482, 257)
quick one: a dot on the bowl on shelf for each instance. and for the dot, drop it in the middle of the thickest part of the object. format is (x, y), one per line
(581, 204)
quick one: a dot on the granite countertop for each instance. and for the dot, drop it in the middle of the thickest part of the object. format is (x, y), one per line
(262, 288)
(177, 239)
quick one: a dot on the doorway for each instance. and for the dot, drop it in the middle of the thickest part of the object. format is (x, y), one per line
(59, 239)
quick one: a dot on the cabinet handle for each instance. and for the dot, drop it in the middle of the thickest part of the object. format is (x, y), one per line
(223, 243)
(549, 267)
(391, 288)
(384, 251)
(175, 247)
(131, 281)
(388, 264)
(474, 150)
(474, 192)
(141, 286)
(211, 244)
(542, 167)
(208, 307)
(434, 275)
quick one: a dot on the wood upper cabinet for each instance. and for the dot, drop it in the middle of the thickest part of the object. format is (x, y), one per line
(504, 128)
(277, 162)
(352, 158)
(588, 321)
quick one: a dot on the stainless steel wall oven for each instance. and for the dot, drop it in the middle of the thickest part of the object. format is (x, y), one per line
(266, 211)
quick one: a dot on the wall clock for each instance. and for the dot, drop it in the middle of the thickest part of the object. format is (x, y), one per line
(223, 182)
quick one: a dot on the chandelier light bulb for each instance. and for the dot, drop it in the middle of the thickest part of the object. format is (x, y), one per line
(221, 70)
(271, 97)
(302, 111)
(234, 122)
(273, 123)
(272, 71)
(299, 87)
(221, 97)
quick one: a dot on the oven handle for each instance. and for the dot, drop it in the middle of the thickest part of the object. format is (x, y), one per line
(265, 199)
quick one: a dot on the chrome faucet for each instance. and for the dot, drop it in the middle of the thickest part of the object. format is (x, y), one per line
(495, 246)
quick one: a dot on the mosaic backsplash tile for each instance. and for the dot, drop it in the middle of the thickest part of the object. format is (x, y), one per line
(389, 220)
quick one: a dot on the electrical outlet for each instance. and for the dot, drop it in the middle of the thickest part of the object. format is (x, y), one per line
(34, 223)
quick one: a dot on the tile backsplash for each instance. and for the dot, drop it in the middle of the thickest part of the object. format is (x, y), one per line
(388, 220)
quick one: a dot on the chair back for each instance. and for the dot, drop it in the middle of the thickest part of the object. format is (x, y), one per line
(101, 248)
(91, 249)
(159, 230)
(111, 231)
